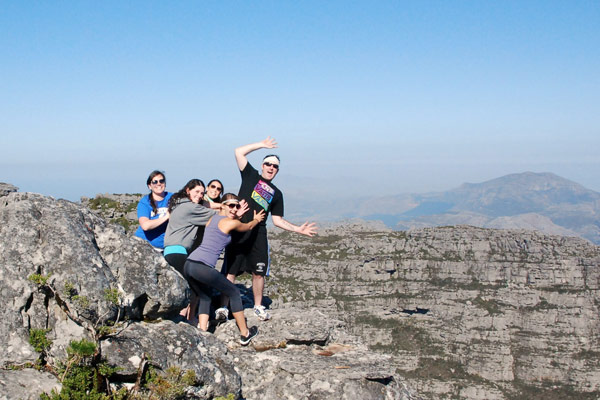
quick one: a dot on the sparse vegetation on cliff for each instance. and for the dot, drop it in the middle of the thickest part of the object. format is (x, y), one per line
(487, 295)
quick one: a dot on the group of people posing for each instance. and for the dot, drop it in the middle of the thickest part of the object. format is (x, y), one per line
(193, 226)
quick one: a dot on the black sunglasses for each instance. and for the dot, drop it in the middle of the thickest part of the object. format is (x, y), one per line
(156, 182)
(268, 164)
(236, 206)
(215, 187)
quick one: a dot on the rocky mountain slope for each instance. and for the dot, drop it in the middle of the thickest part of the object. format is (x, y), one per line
(465, 312)
(91, 310)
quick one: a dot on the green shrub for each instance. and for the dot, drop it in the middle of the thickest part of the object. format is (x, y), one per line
(38, 339)
(39, 279)
(81, 348)
(112, 296)
(103, 203)
(170, 385)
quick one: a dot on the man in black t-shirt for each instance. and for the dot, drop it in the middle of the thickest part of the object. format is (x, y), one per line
(251, 253)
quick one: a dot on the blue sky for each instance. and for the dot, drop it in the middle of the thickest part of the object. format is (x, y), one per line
(369, 98)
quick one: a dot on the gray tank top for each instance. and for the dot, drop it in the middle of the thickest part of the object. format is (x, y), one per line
(213, 243)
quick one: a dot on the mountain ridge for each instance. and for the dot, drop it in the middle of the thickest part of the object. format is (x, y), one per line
(529, 200)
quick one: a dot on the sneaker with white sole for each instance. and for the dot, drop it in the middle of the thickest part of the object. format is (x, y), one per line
(261, 313)
(252, 332)
(221, 314)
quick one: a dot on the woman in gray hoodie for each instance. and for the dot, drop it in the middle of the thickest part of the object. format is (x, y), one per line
(186, 223)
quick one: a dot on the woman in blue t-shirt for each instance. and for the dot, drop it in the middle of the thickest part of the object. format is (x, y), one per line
(152, 211)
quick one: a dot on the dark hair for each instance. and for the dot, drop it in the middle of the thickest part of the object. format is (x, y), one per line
(182, 194)
(152, 175)
(218, 199)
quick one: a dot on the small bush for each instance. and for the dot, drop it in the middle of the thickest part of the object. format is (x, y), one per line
(81, 348)
(39, 279)
(112, 296)
(170, 385)
(38, 339)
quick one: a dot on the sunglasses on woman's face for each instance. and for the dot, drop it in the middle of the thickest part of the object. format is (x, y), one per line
(215, 187)
(157, 181)
(232, 206)
(268, 164)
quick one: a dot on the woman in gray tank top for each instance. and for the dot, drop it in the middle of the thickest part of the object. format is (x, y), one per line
(199, 269)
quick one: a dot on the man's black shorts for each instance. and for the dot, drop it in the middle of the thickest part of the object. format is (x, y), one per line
(249, 253)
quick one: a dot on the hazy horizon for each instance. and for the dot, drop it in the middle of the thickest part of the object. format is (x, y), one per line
(363, 98)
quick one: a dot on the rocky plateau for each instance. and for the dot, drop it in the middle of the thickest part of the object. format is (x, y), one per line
(68, 273)
(359, 311)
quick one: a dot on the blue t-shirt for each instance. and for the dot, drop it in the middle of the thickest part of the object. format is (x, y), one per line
(155, 236)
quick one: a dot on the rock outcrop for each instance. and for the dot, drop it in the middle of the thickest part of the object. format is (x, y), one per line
(26, 384)
(120, 209)
(66, 272)
(315, 360)
(464, 312)
(6, 188)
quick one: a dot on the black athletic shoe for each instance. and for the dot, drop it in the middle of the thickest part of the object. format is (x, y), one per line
(252, 332)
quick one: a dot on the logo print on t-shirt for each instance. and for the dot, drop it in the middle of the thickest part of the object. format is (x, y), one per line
(263, 194)
(161, 211)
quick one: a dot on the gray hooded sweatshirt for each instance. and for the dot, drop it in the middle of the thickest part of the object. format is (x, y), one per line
(184, 221)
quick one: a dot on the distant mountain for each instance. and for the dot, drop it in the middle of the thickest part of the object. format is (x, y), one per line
(534, 201)
(520, 193)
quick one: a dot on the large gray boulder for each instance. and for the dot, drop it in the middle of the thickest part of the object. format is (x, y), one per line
(167, 343)
(82, 259)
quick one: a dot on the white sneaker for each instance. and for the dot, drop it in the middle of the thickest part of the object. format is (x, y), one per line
(261, 313)
(221, 314)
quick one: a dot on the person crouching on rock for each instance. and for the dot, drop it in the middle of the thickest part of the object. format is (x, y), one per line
(200, 270)
(188, 218)
(186, 225)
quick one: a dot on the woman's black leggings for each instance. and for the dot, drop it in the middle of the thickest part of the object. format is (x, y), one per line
(202, 278)
(176, 261)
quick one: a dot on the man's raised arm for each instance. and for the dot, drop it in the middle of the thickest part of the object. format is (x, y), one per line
(242, 151)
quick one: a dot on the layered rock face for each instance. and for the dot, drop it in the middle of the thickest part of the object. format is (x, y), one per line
(465, 312)
(61, 267)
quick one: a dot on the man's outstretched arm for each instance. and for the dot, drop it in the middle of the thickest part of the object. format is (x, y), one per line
(307, 229)
(242, 151)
